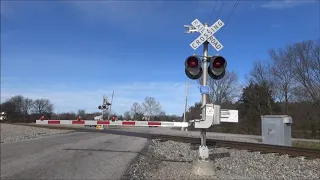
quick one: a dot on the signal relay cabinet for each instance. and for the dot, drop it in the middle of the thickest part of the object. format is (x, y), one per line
(276, 130)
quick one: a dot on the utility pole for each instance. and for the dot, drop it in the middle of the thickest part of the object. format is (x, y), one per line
(102, 104)
(111, 104)
(185, 104)
(204, 83)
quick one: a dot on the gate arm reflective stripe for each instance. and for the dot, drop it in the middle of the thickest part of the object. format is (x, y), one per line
(114, 123)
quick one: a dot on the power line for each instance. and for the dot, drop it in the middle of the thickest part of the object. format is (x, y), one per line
(220, 10)
(214, 8)
(232, 11)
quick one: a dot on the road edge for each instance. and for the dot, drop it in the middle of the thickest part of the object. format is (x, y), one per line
(144, 151)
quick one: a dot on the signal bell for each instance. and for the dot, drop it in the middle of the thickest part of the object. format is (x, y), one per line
(193, 67)
(217, 67)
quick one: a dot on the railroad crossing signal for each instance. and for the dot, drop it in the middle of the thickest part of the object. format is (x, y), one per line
(105, 104)
(206, 34)
(211, 113)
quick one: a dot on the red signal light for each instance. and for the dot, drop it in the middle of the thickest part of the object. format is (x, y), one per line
(193, 67)
(218, 63)
(104, 107)
(192, 62)
(217, 67)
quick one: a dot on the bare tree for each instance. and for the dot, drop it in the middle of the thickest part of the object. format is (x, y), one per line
(42, 106)
(306, 57)
(135, 110)
(261, 74)
(67, 116)
(18, 102)
(223, 90)
(126, 115)
(282, 71)
(162, 116)
(27, 105)
(81, 113)
(151, 107)
(162, 113)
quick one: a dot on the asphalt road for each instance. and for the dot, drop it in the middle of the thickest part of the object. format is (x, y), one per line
(80, 155)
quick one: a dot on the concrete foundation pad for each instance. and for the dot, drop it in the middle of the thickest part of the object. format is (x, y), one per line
(203, 168)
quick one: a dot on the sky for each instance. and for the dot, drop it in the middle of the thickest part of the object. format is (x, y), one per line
(74, 52)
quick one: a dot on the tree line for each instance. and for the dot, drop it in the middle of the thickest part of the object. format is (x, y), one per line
(22, 109)
(286, 83)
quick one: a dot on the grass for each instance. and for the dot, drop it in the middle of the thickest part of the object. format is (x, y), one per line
(302, 144)
(305, 144)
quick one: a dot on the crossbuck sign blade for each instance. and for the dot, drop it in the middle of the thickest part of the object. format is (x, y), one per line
(207, 34)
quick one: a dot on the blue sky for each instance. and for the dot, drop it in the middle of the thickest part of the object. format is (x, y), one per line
(73, 52)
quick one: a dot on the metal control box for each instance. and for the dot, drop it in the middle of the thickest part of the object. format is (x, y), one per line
(212, 116)
(208, 112)
(276, 130)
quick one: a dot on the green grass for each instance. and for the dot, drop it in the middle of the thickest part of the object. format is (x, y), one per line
(302, 144)
(305, 144)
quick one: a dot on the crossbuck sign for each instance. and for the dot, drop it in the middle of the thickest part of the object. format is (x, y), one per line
(207, 34)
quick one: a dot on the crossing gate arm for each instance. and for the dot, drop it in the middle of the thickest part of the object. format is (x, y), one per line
(115, 123)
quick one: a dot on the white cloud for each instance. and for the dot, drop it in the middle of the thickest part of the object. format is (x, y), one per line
(171, 95)
(285, 4)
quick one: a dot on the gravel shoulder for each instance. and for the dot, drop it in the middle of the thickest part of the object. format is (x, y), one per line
(13, 133)
(174, 160)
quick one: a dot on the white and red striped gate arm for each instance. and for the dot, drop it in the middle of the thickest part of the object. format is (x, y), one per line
(113, 123)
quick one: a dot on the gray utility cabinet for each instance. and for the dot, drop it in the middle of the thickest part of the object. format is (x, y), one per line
(276, 130)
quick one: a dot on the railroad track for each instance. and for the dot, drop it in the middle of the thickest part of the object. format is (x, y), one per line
(262, 148)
